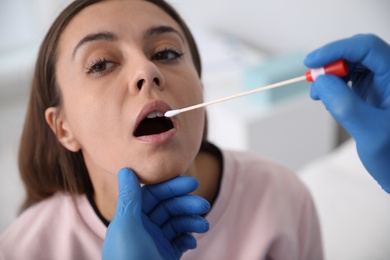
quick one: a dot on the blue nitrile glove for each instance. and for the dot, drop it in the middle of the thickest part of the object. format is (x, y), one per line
(364, 109)
(169, 209)
(134, 235)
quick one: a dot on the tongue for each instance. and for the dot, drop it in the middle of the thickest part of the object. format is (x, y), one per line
(151, 126)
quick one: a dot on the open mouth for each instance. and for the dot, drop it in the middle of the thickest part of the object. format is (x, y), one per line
(154, 123)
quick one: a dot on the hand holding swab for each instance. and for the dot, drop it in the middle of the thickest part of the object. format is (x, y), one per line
(338, 68)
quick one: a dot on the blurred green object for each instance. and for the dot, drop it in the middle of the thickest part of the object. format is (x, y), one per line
(273, 70)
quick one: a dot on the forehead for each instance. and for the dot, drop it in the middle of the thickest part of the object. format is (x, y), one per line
(126, 17)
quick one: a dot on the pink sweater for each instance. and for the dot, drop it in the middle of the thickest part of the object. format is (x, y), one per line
(262, 211)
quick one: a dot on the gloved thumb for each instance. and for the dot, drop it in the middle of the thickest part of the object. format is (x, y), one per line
(126, 237)
(130, 194)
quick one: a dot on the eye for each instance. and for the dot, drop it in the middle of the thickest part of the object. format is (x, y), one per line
(100, 67)
(167, 55)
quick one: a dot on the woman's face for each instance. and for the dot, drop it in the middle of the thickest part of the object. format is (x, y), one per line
(121, 65)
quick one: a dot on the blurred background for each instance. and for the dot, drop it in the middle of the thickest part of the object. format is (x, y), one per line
(244, 44)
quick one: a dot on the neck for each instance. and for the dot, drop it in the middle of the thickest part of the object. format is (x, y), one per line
(206, 168)
(207, 171)
(106, 195)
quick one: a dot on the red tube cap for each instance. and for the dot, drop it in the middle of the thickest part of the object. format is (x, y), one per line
(338, 68)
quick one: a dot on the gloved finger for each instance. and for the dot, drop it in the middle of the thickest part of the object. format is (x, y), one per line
(153, 194)
(369, 50)
(130, 195)
(184, 224)
(344, 104)
(184, 205)
(165, 247)
(313, 91)
(183, 242)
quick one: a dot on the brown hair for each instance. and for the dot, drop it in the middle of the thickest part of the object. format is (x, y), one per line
(45, 165)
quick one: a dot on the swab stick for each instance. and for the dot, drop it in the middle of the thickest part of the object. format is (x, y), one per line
(175, 112)
(338, 68)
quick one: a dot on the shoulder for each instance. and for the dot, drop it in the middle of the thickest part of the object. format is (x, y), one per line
(46, 226)
(39, 216)
(275, 189)
(262, 181)
(248, 167)
(267, 184)
(267, 203)
(43, 211)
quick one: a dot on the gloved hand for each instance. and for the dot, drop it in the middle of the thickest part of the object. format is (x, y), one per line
(364, 109)
(161, 233)
(170, 214)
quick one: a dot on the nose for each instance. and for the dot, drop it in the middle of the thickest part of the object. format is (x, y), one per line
(147, 77)
(142, 82)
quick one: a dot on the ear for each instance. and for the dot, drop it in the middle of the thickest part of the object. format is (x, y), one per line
(61, 129)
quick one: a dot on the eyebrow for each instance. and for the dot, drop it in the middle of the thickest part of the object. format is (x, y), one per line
(158, 30)
(101, 36)
(109, 36)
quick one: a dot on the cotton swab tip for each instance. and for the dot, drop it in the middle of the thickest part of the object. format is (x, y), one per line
(172, 113)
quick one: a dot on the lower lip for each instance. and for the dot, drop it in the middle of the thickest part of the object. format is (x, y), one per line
(158, 139)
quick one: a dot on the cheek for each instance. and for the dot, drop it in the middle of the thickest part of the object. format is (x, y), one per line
(188, 88)
(97, 130)
(93, 119)
(91, 106)
(191, 93)
(195, 125)
(193, 121)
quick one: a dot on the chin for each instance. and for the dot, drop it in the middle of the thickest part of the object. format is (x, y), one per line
(148, 178)
(158, 170)
(155, 180)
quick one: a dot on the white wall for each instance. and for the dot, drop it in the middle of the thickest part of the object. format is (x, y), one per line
(277, 26)
(24, 22)
(286, 25)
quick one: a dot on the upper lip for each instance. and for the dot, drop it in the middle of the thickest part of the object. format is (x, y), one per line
(154, 106)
